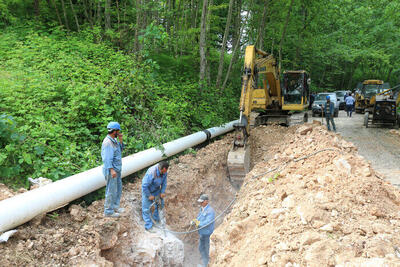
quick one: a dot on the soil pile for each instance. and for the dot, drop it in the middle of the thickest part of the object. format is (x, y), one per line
(316, 202)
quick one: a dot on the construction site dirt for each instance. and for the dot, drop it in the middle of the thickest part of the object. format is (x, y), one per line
(310, 200)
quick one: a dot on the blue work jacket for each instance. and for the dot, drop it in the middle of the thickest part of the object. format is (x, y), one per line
(111, 153)
(329, 110)
(206, 215)
(154, 183)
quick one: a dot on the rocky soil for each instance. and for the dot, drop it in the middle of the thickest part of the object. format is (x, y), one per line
(330, 208)
(315, 203)
(81, 236)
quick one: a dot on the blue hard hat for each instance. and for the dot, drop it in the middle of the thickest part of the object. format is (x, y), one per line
(114, 126)
(328, 97)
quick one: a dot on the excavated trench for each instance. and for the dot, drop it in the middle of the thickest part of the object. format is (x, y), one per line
(81, 235)
(77, 235)
(189, 176)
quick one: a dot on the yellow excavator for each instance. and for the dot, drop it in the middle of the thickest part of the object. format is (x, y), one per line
(365, 98)
(383, 108)
(262, 92)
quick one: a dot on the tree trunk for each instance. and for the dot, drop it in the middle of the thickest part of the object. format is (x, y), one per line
(272, 45)
(65, 14)
(236, 22)
(118, 17)
(196, 13)
(341, 86)
(138, 26)
(76, 18)
(353, 70)
(300, 35)
(284, 33)
(86, 7)
(389, 74)
(222, 54)
(203, 44)
(321, 81)
(36, 8)
(208, 63)
(99, 13)
(261, 30)
(57, 13)
(178, 25)
(235, 49)
(107, 20)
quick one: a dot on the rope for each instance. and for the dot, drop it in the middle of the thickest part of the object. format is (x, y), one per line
(233, 200)
(195, 230)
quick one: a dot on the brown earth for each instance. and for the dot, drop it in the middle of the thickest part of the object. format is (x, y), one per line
(330, 208)
(82, 236)
(322, 210)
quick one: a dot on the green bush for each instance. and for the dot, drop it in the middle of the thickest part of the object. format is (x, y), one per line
(58, 91)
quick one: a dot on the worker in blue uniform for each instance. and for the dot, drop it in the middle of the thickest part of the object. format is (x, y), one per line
(205, 223)
(111, 154)
(329, 110)
(154, 184)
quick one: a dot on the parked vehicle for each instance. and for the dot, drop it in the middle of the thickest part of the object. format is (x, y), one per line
(319, 103)
(340, 96)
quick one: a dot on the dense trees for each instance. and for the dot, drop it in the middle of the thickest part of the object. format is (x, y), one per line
(172, 63)
(339, 42)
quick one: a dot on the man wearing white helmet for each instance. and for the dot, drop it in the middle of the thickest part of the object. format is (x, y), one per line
(111, 153)
(205, 223)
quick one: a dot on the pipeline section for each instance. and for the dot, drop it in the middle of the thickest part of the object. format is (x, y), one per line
(24, 207)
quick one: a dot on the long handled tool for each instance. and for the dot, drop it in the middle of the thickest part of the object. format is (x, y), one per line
(158, 205)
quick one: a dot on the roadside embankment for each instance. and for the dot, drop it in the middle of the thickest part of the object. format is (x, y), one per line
(315, 203)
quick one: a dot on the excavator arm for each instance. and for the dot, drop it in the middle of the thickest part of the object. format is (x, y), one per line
(258, 66)
(260, 90)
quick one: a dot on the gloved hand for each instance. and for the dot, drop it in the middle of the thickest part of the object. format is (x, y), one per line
(195, 222)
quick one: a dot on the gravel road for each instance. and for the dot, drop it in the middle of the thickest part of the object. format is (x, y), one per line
(375, 144)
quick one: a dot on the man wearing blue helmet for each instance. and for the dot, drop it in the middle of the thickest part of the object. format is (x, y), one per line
(329, 112)
(111, 153)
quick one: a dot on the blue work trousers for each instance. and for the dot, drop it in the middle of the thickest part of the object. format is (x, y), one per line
(329, 118)
(349, 109)
(146, 212)
(113, 193)
(204, 247)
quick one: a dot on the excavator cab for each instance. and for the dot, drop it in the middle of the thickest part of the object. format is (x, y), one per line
(296, 91)
(365, 99)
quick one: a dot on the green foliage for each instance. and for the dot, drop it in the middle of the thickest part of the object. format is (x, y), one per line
(54, 215)
(58, 91)
(275, 177)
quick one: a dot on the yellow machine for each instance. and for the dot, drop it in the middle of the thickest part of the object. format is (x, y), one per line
(262, 92)
(384, 108)
(366, 97)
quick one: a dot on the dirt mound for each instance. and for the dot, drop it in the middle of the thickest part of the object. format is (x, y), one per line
(315, 203)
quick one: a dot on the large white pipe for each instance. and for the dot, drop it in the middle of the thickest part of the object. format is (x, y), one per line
(23, 207)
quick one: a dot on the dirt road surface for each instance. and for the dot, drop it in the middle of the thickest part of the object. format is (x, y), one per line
(376, 144)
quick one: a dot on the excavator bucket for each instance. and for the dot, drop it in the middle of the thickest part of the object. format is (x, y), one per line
(238, 164)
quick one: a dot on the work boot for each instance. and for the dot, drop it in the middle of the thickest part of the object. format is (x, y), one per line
(151, 230)
(120, 210)
(113, 215)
